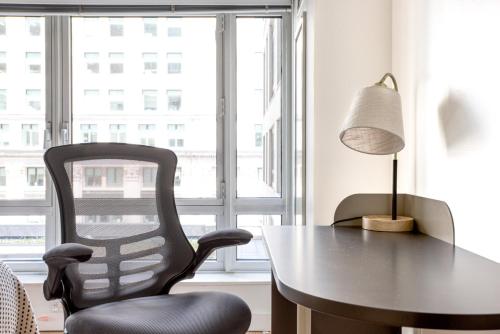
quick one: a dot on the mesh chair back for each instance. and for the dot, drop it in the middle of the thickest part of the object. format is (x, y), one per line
(136, 254)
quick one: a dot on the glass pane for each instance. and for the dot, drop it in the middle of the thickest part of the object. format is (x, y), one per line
(259, 107)
(195, 226)
(22, 237)
(22, 108)
(255, 250)
(152, 76)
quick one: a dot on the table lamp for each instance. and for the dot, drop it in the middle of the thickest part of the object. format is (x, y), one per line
(374, 125)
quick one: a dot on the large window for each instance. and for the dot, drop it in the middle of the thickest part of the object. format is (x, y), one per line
(210, 88)
(25, 198)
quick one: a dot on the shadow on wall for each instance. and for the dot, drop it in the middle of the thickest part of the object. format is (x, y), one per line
(459, 122)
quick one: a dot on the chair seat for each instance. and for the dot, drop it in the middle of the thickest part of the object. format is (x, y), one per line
(189, 313)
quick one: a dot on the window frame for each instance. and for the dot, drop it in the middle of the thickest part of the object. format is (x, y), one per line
(226, 205)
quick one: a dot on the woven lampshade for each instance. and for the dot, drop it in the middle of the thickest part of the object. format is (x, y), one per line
(375, 122)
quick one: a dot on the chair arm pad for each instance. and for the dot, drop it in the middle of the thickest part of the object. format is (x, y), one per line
(57, 259)
(217, 239)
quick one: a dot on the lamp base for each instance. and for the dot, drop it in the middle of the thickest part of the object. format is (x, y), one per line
(386, 224)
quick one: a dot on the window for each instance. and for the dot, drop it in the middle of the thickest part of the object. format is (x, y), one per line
(150, 63)
(185, 69)
(174, 32)
(118, 133)
(114, 176)
(33, 26)
(174, 99)
(258, 135)
(149, 177)
(88, 133)
(3, 27)
(3, 99)
(3, 177)
(35, 176)
(178, 176)
(24, 192)
(115, 62)
(4, 134)
(92, 59)
(33, 62)
(175, 133)
(93, 176)
(91, 98)
(30, 134)
(150, 27)
(150, 100)
(116, 27)
(261, 148)
(174, 62)
(33, 100)
(116, 100)
(3, 62)
(147, 134)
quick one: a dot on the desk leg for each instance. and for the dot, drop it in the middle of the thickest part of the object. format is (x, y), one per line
(325, 324)
(283, 312)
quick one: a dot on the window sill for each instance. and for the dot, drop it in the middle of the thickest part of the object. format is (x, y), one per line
(204, 278)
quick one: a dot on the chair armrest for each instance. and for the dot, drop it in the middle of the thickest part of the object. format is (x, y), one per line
(217, 239)
(57, 259)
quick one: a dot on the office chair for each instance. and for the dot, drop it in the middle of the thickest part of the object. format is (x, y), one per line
(16, 314)
(120, 285)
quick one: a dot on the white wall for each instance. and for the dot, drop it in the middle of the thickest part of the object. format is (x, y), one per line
(447, 56)
(352, 49)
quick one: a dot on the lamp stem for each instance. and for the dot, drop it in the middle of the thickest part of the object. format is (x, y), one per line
(395, 187)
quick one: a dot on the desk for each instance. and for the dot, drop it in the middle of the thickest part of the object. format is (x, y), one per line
(358, 281)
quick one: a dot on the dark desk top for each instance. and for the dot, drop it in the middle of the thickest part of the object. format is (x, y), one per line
(398, 279)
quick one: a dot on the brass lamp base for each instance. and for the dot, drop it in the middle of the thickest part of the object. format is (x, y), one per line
(386, 224)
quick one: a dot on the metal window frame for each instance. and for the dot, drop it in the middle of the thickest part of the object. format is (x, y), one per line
(226, 206)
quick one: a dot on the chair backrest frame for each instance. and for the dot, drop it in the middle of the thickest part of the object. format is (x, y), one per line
(173, 266)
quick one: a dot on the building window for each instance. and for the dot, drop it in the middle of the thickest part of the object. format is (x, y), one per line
(150, 100)
(150, 60)
(114, 176)
(147, 134)
(35, 176)
(3, 177)
(92, 61)
(175, 134)
(3, 62)
(91, 98)
(174, 32)
(174, 99)
(3, 27)
(178, 176)
(149, 176)
(116, 27)
(116, 100)
(33, 26)
(4, 134)
(174, 62)
(33, 62)
(89, 133)
(93, 176)
(115, 62)
(33, 99)
(118, 133)
(3, 99)
(30, 134)
(150, 27)
(258, 135)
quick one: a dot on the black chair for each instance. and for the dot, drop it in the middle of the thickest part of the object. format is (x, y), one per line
(120, 285)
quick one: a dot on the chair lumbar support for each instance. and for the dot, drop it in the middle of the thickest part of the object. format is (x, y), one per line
(385, 223)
